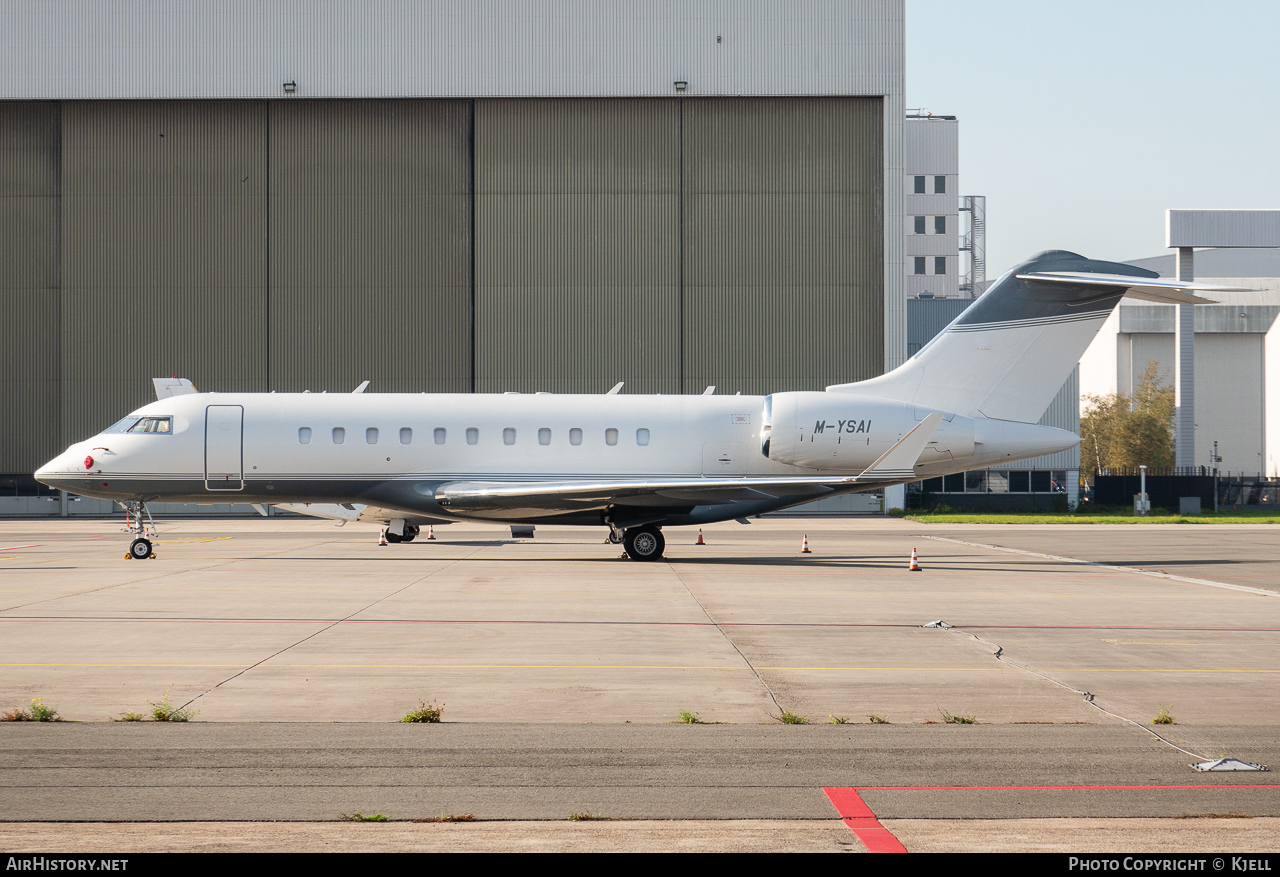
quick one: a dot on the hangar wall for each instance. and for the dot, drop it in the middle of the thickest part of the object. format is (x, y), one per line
(555, 244)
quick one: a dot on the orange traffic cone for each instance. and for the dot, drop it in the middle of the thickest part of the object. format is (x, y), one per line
(700, 542)
(804, 545)
(431, 533)
(382, 536)
(914, 566)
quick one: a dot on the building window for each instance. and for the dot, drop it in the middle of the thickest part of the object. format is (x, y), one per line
(371, 435)
(473, 435)
(544, 436)
(575, 436)
(939, 264)
(509, 436)
(939, 225)
(940, 185)
(611, 436)
(919, 265)
(339, 435)
(304, 435)
(919, 189)
(919, 224)
(642, 437)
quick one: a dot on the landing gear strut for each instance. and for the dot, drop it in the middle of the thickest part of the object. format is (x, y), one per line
(143, 527)
(644, 543)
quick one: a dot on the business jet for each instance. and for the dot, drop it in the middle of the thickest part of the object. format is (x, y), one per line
(635, 464)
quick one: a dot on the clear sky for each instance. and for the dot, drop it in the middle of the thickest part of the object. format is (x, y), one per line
(1083, 122)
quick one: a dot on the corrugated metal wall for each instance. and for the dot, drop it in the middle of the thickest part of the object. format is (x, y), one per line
(783, 236)
(577, 245)
(370, 249)
(30, 183)
(254, 245)
(163, 251)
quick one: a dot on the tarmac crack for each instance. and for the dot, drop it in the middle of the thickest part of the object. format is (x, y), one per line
(330, 626)
(732, 644)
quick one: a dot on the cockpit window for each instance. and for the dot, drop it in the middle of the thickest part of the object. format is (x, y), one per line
(123, 425)
(160, 425)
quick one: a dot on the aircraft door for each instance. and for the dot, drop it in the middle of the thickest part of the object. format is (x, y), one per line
(724, 458)
(224, 447)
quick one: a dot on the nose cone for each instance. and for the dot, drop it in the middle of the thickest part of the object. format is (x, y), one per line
(61, 471)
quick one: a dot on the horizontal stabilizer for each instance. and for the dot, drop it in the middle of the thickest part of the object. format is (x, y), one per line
(1157, 289)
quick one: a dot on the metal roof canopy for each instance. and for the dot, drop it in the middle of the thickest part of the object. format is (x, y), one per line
(1222, 228)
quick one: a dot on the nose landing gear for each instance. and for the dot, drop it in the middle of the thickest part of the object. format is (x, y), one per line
(140, 548)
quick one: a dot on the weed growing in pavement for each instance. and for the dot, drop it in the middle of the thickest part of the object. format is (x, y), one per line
(130, 716)
(37, 712)
(1164, 717)
(357, 816)
(449, 817)
(428, 712)
(688, 718)
(877, 720)
(163, 711)
(791, 719)
(957, 720)
(838, 720)
(586, 817)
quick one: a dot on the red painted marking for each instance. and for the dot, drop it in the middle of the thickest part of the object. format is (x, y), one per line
(855, 813)
(18, 547)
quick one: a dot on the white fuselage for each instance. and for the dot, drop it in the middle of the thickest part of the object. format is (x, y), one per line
(394, 450)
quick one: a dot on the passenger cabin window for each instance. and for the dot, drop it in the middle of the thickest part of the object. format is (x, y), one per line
(371, 435)
(611, 436)
(473, 435)
(642, 437)
(575, 436)
(304, 435)
(406, 435)
(509, 436)
(544, 436)
(440, 435)
(339, 435)
(157, 425)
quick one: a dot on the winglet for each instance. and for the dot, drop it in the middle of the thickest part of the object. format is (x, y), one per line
(616, 389)
(900, 460)
(168, 387)
(361, 388)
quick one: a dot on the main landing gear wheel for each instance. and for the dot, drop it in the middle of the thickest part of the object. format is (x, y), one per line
(393, 538)
(644, 543)
(410, 533)
(140, 549)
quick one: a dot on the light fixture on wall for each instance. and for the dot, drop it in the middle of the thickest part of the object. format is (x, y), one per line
(681, 85)
(290, 87)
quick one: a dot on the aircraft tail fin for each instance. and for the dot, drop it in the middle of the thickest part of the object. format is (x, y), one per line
(1009, 353)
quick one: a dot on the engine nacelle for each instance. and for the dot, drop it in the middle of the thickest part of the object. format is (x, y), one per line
(848, 432)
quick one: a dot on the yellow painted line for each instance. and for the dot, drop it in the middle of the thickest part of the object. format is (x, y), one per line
(188, 541)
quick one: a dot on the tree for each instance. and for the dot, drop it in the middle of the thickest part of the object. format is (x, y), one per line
(1117, 430)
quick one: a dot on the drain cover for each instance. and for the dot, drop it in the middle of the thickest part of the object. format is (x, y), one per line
(1228, 764)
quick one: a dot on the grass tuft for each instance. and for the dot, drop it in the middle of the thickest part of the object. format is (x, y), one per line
(163, 711)
(688, 718)
(788, 718)
(130, 716)
(838, 720)
(877, 720)
(357, 816)
(37, 712)
(428, 712)
(587, 817)
(449, 817)
(1164, 717)
(949, 719)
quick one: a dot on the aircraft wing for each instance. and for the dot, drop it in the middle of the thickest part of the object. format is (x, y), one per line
(895, 465)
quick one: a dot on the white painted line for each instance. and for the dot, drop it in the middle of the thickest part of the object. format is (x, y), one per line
(1145, 572)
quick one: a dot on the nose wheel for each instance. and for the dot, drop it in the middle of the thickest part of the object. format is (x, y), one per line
(144, 529)
(140, 549)
(644, 543)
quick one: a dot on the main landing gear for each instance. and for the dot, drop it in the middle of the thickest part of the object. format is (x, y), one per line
(410, 533)
(644, 543)
(143, 527)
